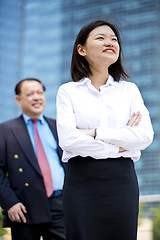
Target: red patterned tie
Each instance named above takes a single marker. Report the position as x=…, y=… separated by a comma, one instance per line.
x=42, y=160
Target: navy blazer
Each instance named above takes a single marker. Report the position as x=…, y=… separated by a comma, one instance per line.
x=20, y=176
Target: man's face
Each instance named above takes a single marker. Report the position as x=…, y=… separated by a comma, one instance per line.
x=31, y=99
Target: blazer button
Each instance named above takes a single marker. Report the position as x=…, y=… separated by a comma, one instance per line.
x=26, y=184
x=16, y=156
x=20, y=170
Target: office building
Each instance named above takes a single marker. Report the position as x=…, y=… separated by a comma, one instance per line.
x=36, y=40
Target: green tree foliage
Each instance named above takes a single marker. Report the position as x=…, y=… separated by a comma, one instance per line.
x=2, y=230
x=141, y=213
x=156, y=223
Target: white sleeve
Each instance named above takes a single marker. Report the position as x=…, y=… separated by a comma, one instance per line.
x=130, y=138
x=71, y=139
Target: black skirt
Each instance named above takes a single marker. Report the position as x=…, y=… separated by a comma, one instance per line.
x=101, y=199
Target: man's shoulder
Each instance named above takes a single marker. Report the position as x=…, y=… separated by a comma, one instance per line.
x=11, y=122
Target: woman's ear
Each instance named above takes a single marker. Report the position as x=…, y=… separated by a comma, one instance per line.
x=81, y=50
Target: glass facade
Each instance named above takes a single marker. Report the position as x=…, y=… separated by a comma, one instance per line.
x=36, y=40
x=10, y=55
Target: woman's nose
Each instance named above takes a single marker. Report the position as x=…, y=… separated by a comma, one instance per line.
x=108, y=43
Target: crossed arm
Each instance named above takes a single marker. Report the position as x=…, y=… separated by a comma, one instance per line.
x=133, y=121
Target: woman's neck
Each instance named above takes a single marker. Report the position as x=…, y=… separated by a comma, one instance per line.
x=99, y=78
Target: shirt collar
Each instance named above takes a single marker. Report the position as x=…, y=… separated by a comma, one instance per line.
x=110, y=81
x=27, y=118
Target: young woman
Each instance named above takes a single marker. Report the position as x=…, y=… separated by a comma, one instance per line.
x=102, y=126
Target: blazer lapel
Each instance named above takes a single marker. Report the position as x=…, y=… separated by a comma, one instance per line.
x=52, y=125
x=21, y=134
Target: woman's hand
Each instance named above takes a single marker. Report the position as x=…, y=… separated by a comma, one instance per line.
x=88, y=132
x=133, y=121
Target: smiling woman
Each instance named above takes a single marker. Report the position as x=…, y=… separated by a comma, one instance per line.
x=101, y=49
x=103, y=125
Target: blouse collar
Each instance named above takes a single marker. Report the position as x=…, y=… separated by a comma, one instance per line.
x=110, y=81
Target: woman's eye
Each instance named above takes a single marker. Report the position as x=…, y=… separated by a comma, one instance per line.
x=100, y=38
x=114, y=39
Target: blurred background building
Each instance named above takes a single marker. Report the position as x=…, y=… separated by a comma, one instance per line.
x=36, y=40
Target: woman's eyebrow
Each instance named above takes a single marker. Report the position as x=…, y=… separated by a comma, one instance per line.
x=99, y=34
x=103, y=34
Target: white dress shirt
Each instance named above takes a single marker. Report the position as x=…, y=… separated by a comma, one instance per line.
x=81, y=105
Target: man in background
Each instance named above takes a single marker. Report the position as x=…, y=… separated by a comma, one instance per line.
x=31, y=173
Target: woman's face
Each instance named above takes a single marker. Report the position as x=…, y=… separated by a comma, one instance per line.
x=101, y=48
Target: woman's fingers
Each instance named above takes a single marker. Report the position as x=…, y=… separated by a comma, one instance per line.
x=135, y=119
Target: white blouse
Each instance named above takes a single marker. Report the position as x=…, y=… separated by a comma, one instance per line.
x=81, y=105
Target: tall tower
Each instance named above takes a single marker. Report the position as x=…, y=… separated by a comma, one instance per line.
x=36, y=40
